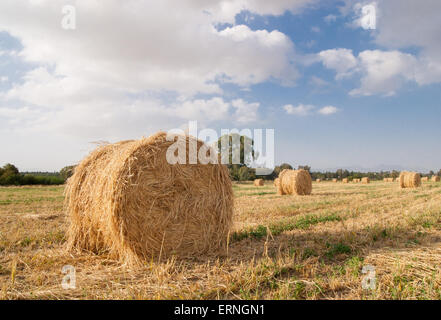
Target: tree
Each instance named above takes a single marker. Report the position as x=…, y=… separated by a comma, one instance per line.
x=9, y=175
x=230, y=144
x=307, y=168
x=67, y=172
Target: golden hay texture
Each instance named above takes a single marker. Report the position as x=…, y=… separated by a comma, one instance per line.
x=259, y=182
x=345, y=180
x=334, y=180
x=425, y=179
x=435, y=178
x=365, y=180
x=410, y=179
x=355, y=180
x=318, y=180
x=294, y=182
x=276, y=182
x=127, y=200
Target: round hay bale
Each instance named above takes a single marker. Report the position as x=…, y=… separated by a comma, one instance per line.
x=318, y=180
x=365, y=180
x=435, y=178
x=425, y=179
x=294, y=182
x=410, y=179
x=125, y=199
x=259, y=182
x=356, y=180
x=334, y=180
x=345, y=180
x=276, y=182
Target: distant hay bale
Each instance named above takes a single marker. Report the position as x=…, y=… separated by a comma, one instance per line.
x=425, y=179
x=355, y=180
x=365, y=180
x=318, y=180
x=410, y=179
x=334, y=180
x=259, y=182
x=435, y=178
x=276, y=182
x=345, y=180
x=294, y=182
x=125, y=199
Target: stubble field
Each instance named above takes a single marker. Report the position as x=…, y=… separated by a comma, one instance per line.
x=282, y=247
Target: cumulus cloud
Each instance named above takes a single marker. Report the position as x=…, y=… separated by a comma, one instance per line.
x=381, y=72
x=400, y=25
x=300, y=110
x=328, y=110
x=341, y=60
x=139, y=66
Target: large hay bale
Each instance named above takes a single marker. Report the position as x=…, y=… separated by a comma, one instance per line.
x=294, y=182
x=425, y=179
x=435, y=178
x=127, y=200
x=345, y=180
x=410, y=179
x=276, y=182
x=259, y=182
x=365, y=180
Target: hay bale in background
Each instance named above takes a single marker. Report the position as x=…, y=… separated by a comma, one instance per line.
x=276, y=182
x=365, y=180
x=334, y=180
x=345, y=180
x=127, y=200
x=294, y=182
x=356, y=180
x=425, y=179
x=410, y=179
x=435, y=178
x=318, y=180
x=259, y=182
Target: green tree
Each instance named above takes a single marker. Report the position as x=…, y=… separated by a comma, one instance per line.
x=67, y=172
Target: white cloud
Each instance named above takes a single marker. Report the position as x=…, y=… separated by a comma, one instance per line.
x=328, y=110
x=315, y=29
x=4, y=79
x=381, y=72
x=245, y=112
x=340, y=60
x=403, y=25
x=300, y=110
x=119, y=72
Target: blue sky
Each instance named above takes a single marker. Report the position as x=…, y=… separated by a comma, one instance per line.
x=126, y=71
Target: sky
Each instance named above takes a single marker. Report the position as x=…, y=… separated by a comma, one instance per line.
x=339, y=90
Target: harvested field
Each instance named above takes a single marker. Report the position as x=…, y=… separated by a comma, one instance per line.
x=281, y=247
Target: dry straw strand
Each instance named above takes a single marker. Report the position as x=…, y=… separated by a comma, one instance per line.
x=294, y=182
x=127, y=200
x=410, y=179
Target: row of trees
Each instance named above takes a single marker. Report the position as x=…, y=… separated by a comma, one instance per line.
x=9, y=175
